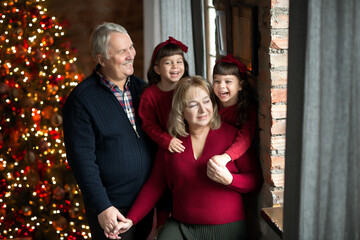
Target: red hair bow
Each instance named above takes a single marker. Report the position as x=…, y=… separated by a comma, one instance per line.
x=171, y=40
x=230, y=59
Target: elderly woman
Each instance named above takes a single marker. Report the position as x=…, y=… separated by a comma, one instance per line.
x=207, y=198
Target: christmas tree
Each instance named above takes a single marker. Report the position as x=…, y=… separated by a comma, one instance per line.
x=39, y=198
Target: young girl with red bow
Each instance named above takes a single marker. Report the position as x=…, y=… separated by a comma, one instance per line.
x=236, y=106
x=167, y=67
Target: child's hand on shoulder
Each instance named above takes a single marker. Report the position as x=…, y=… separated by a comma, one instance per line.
x=176, y=146
x=222, y=159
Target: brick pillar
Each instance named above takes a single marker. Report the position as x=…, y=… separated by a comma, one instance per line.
x=272, y=92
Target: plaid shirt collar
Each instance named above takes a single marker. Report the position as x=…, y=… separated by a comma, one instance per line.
x=110, y=84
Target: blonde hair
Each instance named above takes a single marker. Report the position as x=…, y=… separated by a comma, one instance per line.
x=177, y=125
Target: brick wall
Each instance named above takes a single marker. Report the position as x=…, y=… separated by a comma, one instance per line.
x=272, y=90
x=83, y=15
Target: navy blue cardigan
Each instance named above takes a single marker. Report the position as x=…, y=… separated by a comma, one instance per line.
x=109, y=161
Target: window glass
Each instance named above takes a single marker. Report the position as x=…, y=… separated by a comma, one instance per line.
x=210, y=34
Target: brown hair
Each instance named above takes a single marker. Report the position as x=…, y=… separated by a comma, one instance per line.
x=245, y=96
x=165, y=51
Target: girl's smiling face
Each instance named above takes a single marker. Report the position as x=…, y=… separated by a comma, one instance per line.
x=226, y=88
x=171, y=68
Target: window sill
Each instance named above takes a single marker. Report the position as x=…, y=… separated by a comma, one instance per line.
x=273, y=216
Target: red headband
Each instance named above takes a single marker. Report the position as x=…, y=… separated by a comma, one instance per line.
x=171, y=40
x=230, y=59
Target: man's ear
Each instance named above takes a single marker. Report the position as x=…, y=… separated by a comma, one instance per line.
x=100, y=60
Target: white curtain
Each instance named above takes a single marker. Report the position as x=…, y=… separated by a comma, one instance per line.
x=329, y=162
x=164, y=18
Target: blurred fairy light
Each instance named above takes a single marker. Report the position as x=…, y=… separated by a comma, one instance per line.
x=36, y=47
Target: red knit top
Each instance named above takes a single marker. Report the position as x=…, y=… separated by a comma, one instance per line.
x=245, y=135
x=196, y=198
x=154, y=109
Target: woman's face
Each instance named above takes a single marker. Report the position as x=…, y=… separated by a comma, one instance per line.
x=198, y=111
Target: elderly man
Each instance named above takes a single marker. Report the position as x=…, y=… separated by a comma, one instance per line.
x=106, y=149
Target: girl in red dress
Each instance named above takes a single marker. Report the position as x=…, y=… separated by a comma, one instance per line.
x=167, y=67
x=236, y=105
x=238, y=108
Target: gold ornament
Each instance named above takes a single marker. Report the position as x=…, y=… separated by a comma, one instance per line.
x=56, y=119
x=60, y=223
x=47, y=40
x=14, y=92
x=30, y=156
x=47, y=112
x=28, y=102
x=26, y=210
x=4, y=88
x=74, y=212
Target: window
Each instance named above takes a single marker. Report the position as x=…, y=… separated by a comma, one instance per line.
x=210, y=37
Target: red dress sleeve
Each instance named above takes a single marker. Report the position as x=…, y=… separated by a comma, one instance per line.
x=244, y=137
x=150, y=115
x=249, y=176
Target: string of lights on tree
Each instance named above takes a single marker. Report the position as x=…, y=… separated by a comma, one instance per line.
x=39, y=198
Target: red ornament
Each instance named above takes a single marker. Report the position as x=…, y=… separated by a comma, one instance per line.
x=54, y=134
x=34, y=12
x=46, y=22
x=54, y=80
x=75, y=236
x=3, y=187
x=59, y=193
x=36, y=117
x=43, y=191
x=24, y=231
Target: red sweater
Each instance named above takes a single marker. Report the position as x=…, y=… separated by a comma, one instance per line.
x=154, y=109
x=245, y=135
x=196, y=198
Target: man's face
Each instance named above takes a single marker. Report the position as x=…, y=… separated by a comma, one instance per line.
x=121, y=54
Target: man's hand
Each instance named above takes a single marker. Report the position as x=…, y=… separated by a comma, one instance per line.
x=108, y=220
x=176, y=145
x=222, y=159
